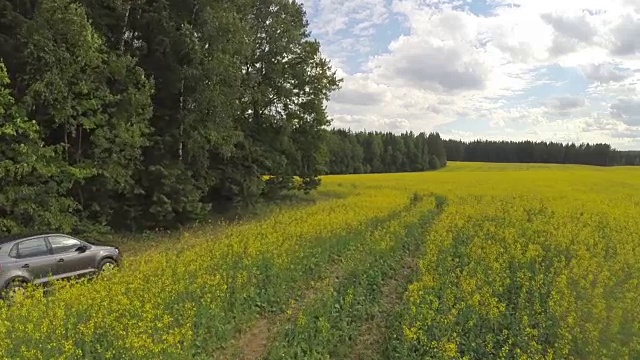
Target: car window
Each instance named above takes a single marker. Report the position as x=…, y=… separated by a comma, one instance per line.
x=32, y=248
x=62, y=244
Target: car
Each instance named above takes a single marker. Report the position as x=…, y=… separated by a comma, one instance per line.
x=43, y=257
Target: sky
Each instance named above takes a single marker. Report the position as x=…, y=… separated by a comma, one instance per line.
x=552, y=70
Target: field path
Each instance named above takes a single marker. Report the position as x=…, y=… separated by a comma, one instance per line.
x=374, y=339
x=374, y=334
x=252, y=344
x=349, y=316
x=253, y=341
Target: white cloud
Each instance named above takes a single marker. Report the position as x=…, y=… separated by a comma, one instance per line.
x=573, y=27
x=563, y=103
x=571, y=32
x=605, y=73
x=360, y=90
x=346, y=27
x=438, y=67
x=452, y=64
x=625, y=34
x=627, y=110
x=332, y=16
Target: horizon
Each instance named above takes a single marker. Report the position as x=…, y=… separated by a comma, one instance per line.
x=613, y=148
x=493, y=69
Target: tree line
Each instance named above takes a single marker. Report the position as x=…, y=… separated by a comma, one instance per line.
x=627, y=158
x=131, y=115
x=599, y=154
x=384, y=152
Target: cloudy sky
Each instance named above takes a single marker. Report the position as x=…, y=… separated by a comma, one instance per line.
x=561, y=70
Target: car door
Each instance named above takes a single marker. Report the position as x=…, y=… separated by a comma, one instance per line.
x=34, y=257
x=69, y=261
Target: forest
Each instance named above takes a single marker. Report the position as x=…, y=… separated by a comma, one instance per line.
x=133, y=115
x=384, y=152
x=364, y=152
x=539, y=152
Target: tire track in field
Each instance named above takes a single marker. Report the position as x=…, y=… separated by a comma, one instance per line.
x=338, y=345
x=376, y=334
x=253, y=342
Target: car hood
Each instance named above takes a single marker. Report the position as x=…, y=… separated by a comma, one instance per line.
x=102, y=248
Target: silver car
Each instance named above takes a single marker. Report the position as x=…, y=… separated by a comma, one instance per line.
x=40, y=258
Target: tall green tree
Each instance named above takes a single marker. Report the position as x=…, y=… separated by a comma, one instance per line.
x=373, y=152
x=161, y=110
x=289, y=82
x=384, y=152
x=33, y=178
x=412, y=162
x=14, y=17
x=240, y=92
x=195, y=51
x=423, y=150
x=437, y=152
x=93, y=101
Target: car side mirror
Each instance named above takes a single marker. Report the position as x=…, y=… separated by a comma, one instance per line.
x=81, y=248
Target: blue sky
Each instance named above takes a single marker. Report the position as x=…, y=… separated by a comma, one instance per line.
x=494, y=69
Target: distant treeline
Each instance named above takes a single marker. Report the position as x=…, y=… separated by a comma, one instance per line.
x=538, y=152
x=378, y=152
x=627, y=158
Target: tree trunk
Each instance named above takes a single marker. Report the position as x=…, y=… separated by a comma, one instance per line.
x=124, y=28
x=181, y=132
x=79, y=149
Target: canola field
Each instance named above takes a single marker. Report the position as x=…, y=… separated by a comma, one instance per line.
x=476, y=261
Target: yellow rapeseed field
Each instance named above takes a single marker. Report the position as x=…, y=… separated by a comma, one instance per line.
x=474, y=261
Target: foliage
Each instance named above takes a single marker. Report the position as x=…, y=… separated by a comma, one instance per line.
x=33, y=179
x=339, y=308
x=377, y=152
x=93, y=102
x=627, y=158
x=167, y=110
x=529, y=262
x=532, y=152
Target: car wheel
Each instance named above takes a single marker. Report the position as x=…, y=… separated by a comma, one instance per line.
x=107, y=265
x=14, y=288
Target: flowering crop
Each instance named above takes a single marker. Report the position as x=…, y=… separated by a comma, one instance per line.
x=523, y=261
x=529, y=264
x=338, y=310
x=179, y=304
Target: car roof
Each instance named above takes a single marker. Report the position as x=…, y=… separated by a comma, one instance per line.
x=20, y=236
